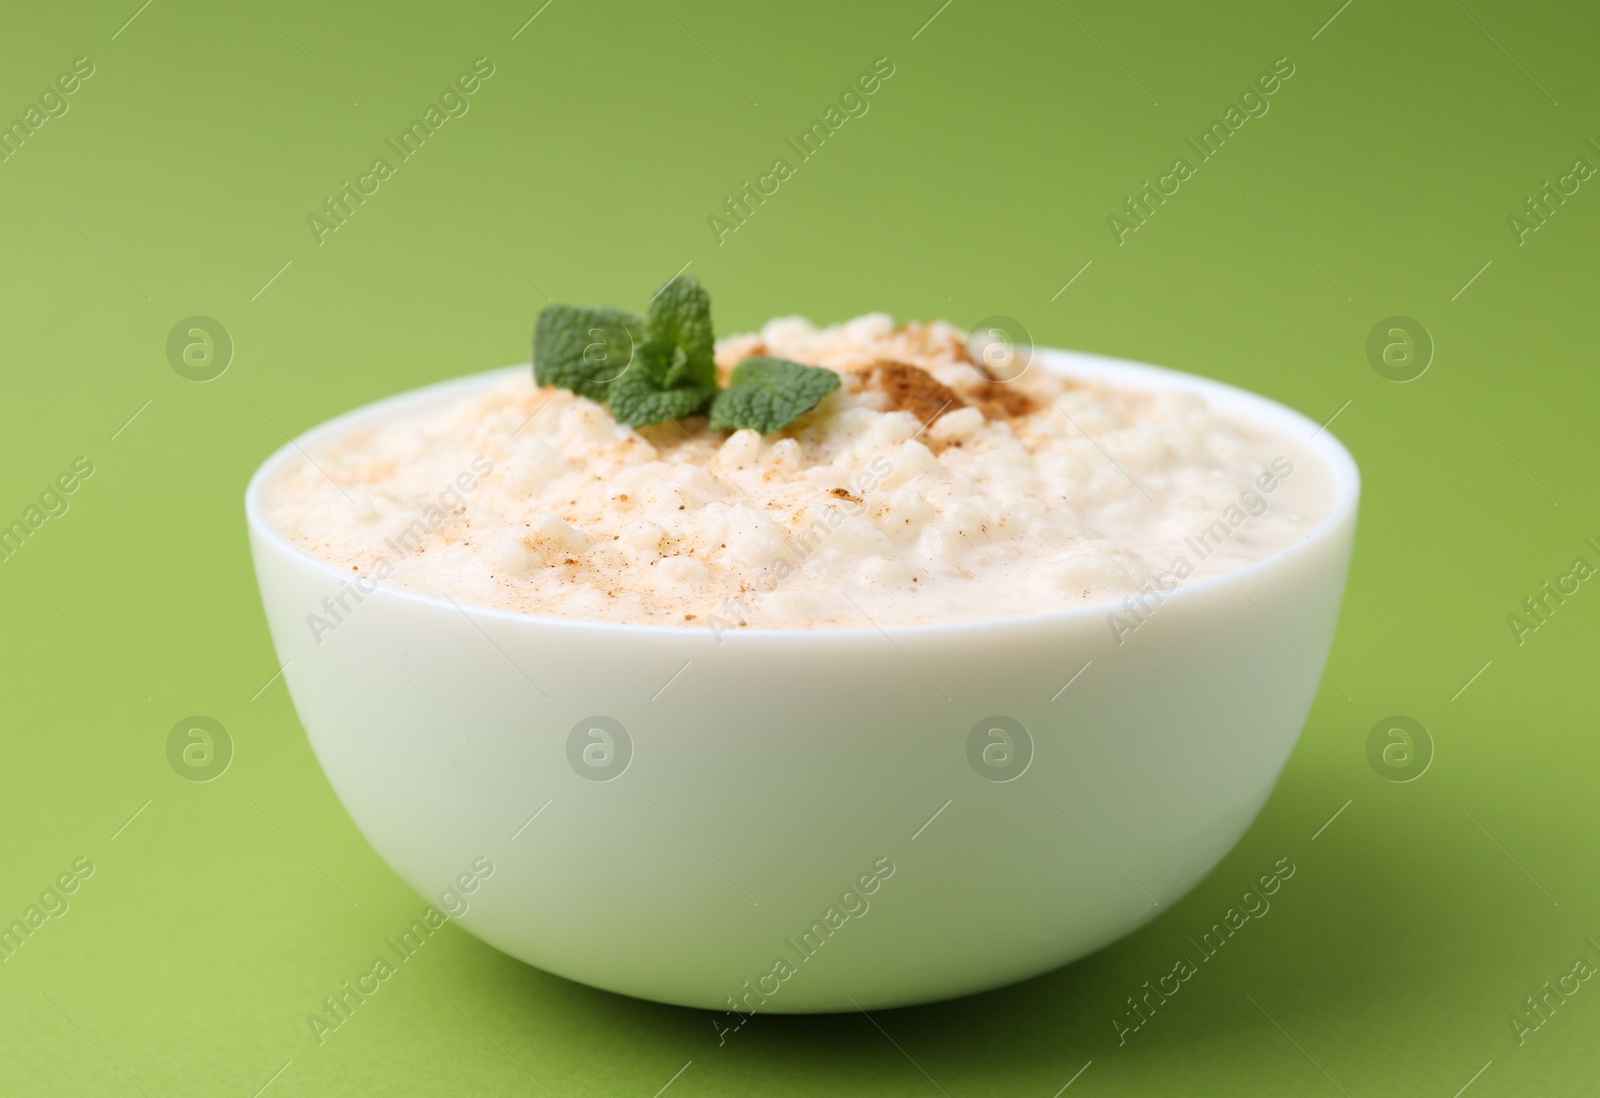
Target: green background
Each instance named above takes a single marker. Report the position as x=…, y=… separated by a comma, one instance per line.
x=979, y=182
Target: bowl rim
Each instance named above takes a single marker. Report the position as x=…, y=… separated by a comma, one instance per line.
x=1253, y=408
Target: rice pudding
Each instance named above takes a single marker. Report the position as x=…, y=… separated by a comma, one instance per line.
x=924, y=489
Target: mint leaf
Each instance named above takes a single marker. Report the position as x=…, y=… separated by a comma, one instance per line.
x=769, y=394
x=644, y=395
x=584, y=350
x=680, y=318
x=636, y=402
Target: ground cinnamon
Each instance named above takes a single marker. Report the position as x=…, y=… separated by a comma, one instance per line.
x=1002, y=401
x=914, y=390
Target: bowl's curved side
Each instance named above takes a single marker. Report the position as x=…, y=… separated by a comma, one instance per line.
x=800, y=827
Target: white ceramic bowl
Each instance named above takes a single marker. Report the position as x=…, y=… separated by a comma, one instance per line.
x=807, y=820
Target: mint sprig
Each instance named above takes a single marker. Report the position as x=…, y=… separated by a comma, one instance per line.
x=663, y=367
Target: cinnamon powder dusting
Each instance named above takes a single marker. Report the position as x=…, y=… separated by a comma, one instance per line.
x=914, y=390
x=1001, y=401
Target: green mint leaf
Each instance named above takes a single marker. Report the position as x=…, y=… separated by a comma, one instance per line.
x=643, y=395
x=584, y=350
x=680, y=317
x=769, y=394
